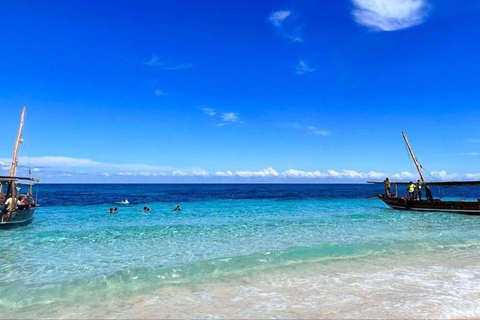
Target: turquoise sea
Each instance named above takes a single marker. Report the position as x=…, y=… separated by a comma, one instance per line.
x=237, y=251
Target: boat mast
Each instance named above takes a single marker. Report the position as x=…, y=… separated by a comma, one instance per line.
x=418, y=165
x=14, y=165
x=13, y=168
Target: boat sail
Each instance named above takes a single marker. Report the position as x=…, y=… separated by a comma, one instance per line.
x=414, y=202
x=17, y=202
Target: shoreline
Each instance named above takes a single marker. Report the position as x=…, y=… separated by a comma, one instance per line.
x=438, y=286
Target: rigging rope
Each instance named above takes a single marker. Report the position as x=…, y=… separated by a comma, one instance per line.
x=409, y=156
x=435, y=180
x=423, y=169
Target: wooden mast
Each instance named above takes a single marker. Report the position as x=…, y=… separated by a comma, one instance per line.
x=418, y=165
x=13, y=168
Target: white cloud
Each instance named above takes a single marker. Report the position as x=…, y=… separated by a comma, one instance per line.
x=436, y=175
x=292, y=32
x=167, y=64
x=390, y=15
x=208, y=111
x=224, y=174
x=125, y=173
x=352, y=174
x=472, y=176
x=4, y=165
x=159, y=92
x=230, y=117
x=193, y=173
x=278, y=17
x=312, y=129
x=270, y=172
x=404, y=175
x=155, y=62
x=82, y=169
x=70, y=162
x=317, y=132
x=303, y=68
x=226, y=117
x=292, y=173
x=443, y=175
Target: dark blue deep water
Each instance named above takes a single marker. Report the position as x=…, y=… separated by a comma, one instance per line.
x=90, y=194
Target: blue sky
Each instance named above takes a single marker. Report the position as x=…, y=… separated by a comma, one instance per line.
x=221, y=91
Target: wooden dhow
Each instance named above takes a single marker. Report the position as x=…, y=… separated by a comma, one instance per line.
x=17, y=197
x=413, y=201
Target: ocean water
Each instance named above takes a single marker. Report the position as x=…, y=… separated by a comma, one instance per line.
x=238, y=251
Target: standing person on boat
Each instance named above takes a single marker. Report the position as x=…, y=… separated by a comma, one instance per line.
x=419, y=190
x=2, y=202
x=411, y=190
x=428, y=193
x=387, y=187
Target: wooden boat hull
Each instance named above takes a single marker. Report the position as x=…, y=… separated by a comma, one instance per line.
x=402, y=203
x=21, y=216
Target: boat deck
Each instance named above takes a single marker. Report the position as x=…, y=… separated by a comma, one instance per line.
x=402, y=203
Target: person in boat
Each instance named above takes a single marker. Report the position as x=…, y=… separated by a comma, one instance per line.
x=9, y=208
x=2, y=202
x=387, y=187
x=419, y=190
x=29, y=199
x=411, y=190
x=428, y=193
x=23, y=203
x=9, y=204
x=177, y=208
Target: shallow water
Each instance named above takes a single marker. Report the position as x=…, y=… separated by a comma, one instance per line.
x=237, y=251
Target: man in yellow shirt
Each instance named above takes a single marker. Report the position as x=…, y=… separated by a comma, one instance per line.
x=411, y=190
